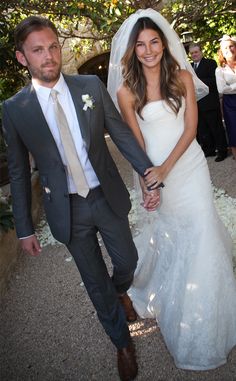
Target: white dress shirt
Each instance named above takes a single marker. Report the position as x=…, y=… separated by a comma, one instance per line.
x=65, y=99
x=225, y=80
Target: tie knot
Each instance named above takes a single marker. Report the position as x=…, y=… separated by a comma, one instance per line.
x=54, y=94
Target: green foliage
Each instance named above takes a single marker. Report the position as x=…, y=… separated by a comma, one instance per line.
x=207, y=20
x=6, y=215
x=11, y=74
x=3, y=147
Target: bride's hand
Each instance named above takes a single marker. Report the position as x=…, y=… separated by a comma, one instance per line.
x=154, y=177
x=151, y=199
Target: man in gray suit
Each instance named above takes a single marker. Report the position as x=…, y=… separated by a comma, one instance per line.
x=30, y=125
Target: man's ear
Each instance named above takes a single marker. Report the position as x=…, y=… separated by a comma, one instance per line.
x=21, y=58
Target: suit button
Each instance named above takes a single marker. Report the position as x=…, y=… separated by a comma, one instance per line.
x=66, y=195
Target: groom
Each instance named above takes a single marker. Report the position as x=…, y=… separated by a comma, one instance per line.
x=83, y=192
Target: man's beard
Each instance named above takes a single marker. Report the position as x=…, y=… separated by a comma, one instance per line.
x=47, y=76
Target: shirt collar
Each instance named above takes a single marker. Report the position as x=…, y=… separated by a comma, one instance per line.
x=44, y=92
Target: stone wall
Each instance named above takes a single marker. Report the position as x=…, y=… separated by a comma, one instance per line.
x=72, y=61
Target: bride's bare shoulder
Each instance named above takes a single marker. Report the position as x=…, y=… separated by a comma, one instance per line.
x=124, y=94
x=185, y=75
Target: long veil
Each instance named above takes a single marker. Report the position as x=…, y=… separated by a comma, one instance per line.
x=119, y=44
x=144, y=219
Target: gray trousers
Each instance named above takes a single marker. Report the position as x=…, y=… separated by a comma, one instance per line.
x=89, y=216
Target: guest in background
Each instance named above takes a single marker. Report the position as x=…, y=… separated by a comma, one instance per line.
x=226, y=84
x=210, y=132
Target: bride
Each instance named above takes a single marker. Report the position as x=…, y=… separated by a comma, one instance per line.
x=184, y=276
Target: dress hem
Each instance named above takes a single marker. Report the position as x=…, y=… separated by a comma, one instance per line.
x=200, y=368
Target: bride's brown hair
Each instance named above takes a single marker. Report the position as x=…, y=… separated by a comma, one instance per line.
x=171, y=87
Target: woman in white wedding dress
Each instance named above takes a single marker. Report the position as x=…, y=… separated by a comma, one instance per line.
x=184, y=277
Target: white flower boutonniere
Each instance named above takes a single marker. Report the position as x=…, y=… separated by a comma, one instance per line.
x=88, y=102
x=47, y=190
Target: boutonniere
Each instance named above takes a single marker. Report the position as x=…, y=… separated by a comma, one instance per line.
x=47, y=193
x=47, y=190
x=88, y=102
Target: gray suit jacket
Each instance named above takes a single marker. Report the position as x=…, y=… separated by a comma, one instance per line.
x=26, y=129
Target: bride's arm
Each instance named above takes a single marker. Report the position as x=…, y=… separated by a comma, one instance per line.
x=190, y=129
x=126, y=104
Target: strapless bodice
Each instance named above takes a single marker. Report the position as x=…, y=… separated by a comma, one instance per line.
x=161, y=129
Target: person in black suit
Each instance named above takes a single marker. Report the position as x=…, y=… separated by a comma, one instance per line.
x=30, y=124
x=210, y=133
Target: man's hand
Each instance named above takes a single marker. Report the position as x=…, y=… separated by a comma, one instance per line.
x=151, y=199
x=31, y=245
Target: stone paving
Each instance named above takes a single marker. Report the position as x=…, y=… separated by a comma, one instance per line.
x=49, y=330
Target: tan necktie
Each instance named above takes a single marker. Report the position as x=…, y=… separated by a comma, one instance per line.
x=72, y=158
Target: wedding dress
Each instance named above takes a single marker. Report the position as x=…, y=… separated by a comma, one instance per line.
x=184, y=277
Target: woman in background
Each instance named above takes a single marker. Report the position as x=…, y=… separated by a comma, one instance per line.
x=226, y=84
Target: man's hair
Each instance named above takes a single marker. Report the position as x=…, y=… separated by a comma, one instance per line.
x=29, y=25
x=195, y=45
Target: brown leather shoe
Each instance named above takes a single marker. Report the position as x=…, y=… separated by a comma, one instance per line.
x=130, y=313
x=127, y=365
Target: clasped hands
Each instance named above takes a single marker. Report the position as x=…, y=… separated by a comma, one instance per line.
x=151, y=188
x=150, y=183
x=153, y=177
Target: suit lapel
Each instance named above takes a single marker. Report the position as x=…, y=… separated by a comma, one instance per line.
x=83, y=116
x=35, y=113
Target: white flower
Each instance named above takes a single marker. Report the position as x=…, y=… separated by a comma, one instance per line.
x=44, y=234
x=88, y=102
x=47, y=190
x=226, y=208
